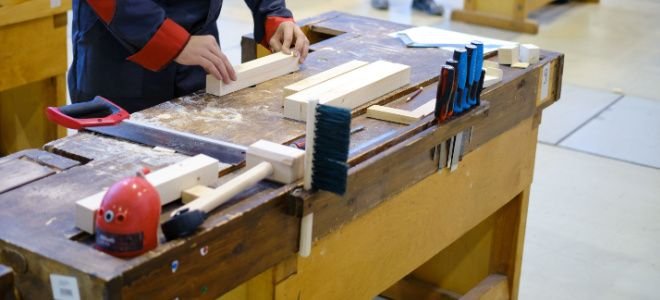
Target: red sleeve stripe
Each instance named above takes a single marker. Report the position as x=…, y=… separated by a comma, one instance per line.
x=272, y=22
x=163, y=47
x=105, y=9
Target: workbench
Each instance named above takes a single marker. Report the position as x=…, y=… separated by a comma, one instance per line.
x=403, y=229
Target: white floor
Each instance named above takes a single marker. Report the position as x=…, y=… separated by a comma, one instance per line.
x=594, y=216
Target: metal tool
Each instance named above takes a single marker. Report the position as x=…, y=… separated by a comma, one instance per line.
x=104, y=117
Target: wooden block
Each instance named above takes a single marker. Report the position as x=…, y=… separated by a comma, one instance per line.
x=287, y=161
x=351, y=89
x=426, y=108
x=530, y=53
x=520, y=65
x=393, y=115
x=507, y=55
x=169, y=182
x=194, y=192
x=254, y=72
x=493, y=76
x=322, y=77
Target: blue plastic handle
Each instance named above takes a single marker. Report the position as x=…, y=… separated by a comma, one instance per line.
x=479, y=57
x=460, y=55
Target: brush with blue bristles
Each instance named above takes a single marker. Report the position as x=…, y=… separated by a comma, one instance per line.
x=326, y=158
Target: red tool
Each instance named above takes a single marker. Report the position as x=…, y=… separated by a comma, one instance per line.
x=444, y=105
x=97, y=112
x=127, y=221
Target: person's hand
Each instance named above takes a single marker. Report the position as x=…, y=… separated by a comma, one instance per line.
x=204, y=51
x=289, y=33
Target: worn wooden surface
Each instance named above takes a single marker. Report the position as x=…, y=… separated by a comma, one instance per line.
x=254, y=231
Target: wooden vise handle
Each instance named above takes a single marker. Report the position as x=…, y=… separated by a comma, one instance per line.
x=221, y=194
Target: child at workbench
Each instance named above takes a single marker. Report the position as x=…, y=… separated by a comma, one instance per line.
x=139, y=53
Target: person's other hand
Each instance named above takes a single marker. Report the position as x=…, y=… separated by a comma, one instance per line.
x=287, y=34
x=204, y=51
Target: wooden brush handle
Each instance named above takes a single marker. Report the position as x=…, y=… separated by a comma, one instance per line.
x=221, y=194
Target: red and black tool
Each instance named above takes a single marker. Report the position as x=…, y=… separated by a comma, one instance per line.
x=444, y=104
x=127, y=221
x=101, y=116
x=96, y=112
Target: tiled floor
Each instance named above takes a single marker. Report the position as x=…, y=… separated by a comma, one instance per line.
x=593, y=228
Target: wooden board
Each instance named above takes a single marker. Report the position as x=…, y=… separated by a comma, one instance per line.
x=322, y=77
x=351, y=89
x=395, y=115
x=254, y=72
x=19, y=172
x=493, y=287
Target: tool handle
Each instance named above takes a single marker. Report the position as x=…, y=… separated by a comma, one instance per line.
x=96, y=112
x=221, y=194
x=444, y=95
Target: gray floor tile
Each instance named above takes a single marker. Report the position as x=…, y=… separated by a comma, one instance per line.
x=577, y=106
x=592, y=230
x=629, y=130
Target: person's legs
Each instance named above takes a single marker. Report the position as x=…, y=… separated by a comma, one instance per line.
x=428, y=6
x=380, y=4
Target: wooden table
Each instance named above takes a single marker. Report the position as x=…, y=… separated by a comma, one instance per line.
x=400, y=217
x=504, y=14
x=32, y=71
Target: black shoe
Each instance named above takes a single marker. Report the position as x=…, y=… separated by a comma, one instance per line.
x=428, y=6
x=380, y=4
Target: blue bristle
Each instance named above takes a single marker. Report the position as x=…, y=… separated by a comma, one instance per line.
x=332, y=137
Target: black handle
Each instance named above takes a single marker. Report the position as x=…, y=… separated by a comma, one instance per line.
x=96, y=108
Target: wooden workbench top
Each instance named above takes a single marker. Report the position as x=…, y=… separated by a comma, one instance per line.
x=259, y=228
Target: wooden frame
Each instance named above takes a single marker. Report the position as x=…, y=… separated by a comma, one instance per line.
x=504, y=14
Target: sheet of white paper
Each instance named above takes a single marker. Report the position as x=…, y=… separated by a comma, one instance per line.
x=425, y=35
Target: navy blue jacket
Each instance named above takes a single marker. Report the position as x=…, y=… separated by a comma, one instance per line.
x=123, y=49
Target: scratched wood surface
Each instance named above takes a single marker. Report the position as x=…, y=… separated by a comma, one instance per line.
x=255, y=113
x=254, y=231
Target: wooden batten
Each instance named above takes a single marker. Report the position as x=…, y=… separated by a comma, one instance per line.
x=254, y=72
x=351, y=89
x=322, y=77
x=400, y=116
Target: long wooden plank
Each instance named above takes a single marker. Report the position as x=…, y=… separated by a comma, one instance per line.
x=254, y=72
x=322, y=77
x=350, y=90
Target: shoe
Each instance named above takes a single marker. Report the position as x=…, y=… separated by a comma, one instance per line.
x=380, y=4
x=428, y=6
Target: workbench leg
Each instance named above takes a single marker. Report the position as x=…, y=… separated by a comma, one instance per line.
x=7, y=290
x=509, y=238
